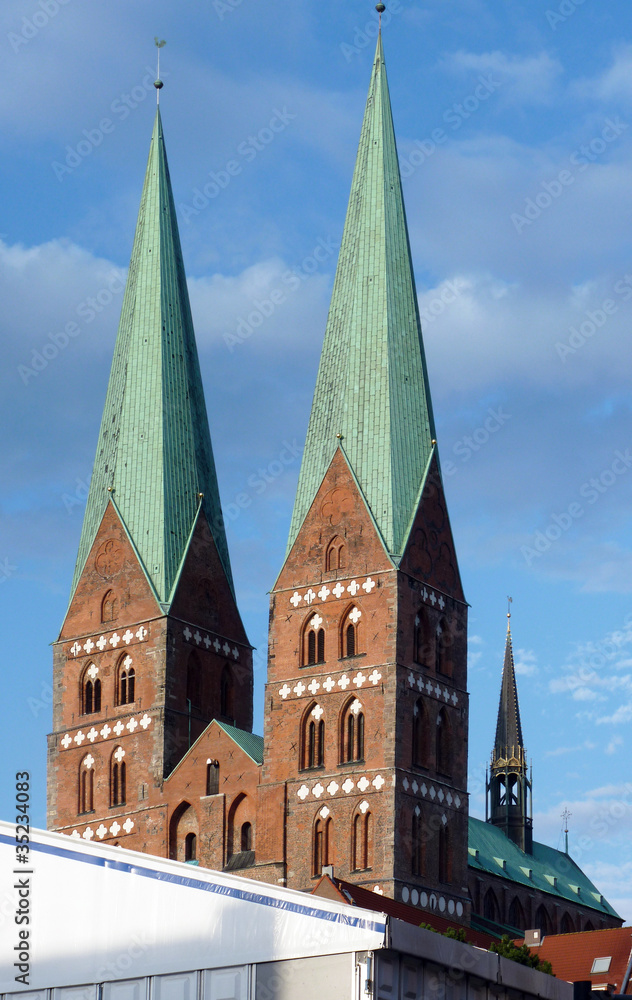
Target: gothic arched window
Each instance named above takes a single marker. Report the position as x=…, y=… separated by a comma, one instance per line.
x=227, y=693
x=109, y=607
x=118, y=778
x=194, y=682
x=491, y=909
x=542, y=921
x=313, y=738
x=335, y=556
x=90, y=690
x=323, y=845
x=126, y=681
x=443, y=744
x=417, y=853
x=424, y=644
x=445, y=856
x=190, y=847
x=516, y=915
x=212, y=777
x=313, y=641
x=361, y=841
x=86, y=784
x=420, y=734
x=352, y=732
x=350, y=632
x=246, y=836
x=443, y=648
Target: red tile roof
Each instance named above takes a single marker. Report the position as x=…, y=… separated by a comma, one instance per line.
x=357, y=895
x=572, y=955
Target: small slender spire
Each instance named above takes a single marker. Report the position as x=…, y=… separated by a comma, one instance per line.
x=508, y=727
x=508, y=786
x=158, y=84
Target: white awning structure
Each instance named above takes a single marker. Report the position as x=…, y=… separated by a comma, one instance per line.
x=101, y=914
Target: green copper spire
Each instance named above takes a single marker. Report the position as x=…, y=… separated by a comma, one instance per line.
x=154, y=450
x=372, y=386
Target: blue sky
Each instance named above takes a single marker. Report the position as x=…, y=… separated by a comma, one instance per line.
x=513, y=124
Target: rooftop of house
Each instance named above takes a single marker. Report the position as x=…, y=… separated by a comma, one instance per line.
x=599, y=957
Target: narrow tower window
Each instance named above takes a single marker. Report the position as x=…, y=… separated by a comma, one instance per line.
x=313, y=738
x=190, y=847
x=86, y=785
x=445, y=857
x=313, y=641
x=246, y=836
x=118, y=778
x=109, y=607
x=126, y=682
x=425, y=636
x=420, y=733
x=350, y=632
x=352, y=732
x=227, y=707
x=417, y=845
x=443, y=744
x=335, y=557
x=90, y=691
x=443, y=648
x=212, y=777
x=194, y=682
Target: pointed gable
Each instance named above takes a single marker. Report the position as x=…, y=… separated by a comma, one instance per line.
x=154, y=450
x=372, y=386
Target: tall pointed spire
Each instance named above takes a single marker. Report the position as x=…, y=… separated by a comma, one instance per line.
x=509, y=786
x=154, y=455
x=372, y=396
x=508, y=728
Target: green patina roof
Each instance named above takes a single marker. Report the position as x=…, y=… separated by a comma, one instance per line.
x=154, y=446
x=372, y=384
x=552, y=871
x=250, y=743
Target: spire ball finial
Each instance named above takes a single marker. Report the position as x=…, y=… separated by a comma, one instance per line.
x=158, y=84
x=380, y=8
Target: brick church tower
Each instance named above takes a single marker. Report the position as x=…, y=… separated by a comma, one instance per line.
x=152, y=647
x=366, y=703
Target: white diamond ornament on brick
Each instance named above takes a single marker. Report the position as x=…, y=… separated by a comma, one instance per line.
x=355, y=615
x=92, y=672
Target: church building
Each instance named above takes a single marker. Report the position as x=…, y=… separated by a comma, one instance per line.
x=363, y=762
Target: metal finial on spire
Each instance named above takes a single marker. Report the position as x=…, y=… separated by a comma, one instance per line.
x=566, y=816
x=509, y=603
x=158, y=84
x=380, y=8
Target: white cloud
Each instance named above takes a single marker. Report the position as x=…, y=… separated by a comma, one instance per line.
x=525, y=662
x=614, y=82
x=614, y=744
x=531, y=79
